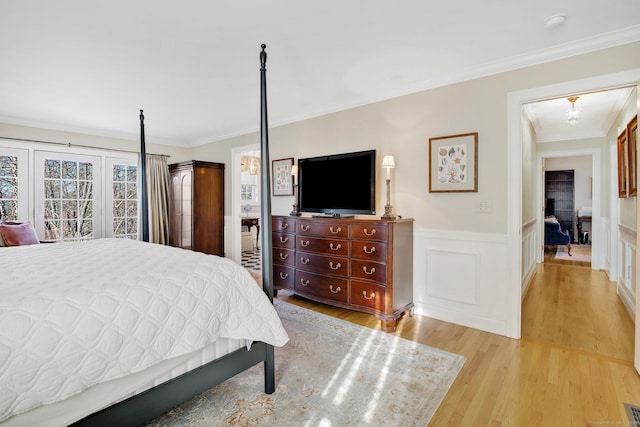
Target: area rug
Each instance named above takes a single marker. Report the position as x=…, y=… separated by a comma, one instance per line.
x=331, y=373
x=578, y=253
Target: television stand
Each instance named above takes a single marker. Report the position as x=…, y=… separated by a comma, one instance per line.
x=360, y=264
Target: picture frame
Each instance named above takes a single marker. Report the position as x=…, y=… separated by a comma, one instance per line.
x=281, y=177
x=622, y=164
x=632, y=156
x=453, y=163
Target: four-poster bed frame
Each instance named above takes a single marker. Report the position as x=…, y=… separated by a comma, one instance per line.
x=155, y=401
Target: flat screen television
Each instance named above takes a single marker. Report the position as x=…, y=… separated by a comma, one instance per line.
x=338, y=184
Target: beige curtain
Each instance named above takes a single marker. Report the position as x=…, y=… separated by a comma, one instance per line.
x=158, y=191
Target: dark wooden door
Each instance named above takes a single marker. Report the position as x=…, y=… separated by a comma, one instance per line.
x=559, y=195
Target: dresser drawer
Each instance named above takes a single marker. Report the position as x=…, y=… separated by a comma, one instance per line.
x=327, y=246
x=368, y=231
x=326, y=229
x=283, y=240
x=326, y=287
x=322, y=263
x=369, y=270
x=372, y=250
x=367, y=294
x=283, y=277
x=284, y=256
x=283, y=224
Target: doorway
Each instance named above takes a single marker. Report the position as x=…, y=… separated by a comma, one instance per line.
x=515, y=136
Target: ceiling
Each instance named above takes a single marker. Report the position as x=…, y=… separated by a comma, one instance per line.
x=597, y=112
x=193, y=65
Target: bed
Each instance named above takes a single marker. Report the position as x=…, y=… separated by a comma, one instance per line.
x=181, y=322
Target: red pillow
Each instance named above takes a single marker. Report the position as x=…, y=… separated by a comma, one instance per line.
x=19, y=234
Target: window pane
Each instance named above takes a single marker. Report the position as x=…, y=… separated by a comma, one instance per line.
x=118, y=208
x=9, y=210
x=86, y=209
x=132, y=208
x=86, y=229
x=69, y=228
x=8, y=188
x=8, y=166
x=132, y=225
x=119, y=191
x=132, y=173
x=51, y=189
x=132, y=192
x=118, y=226
x=69, y=209
x=52, y=230
x=119, y=172
x=85, y=171
x=52, y=168
x=69, y=170
x=52, y=209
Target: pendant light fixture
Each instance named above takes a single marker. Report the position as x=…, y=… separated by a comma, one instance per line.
x=572, y=115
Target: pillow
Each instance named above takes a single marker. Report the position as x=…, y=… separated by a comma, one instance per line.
x=18, y=234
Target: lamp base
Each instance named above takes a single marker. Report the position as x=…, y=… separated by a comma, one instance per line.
x=388, y=213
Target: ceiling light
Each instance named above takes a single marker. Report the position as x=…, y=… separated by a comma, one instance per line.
x=554, y=21
x=572, y=115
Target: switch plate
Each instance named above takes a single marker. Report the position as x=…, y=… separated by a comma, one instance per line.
x=484, y=206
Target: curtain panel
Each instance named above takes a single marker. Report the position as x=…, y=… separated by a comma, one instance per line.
x=158, y=191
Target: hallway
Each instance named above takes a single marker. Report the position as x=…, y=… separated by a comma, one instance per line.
x=579, y=308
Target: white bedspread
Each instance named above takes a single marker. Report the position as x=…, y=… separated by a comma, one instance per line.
x=76, y=314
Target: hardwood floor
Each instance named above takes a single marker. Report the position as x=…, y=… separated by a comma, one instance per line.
x=573, y=366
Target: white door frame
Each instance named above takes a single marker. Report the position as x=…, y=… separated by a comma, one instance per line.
x=515, y=101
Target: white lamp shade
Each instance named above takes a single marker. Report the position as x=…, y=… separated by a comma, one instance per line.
x=388, y=162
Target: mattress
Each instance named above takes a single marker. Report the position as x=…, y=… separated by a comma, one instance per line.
x=75, y=315
x=105, y=394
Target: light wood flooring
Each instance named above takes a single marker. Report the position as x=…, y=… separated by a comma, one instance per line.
x=573, y=366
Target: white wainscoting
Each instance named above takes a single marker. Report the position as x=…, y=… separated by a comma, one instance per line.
x=627, y=268
x=462, y=277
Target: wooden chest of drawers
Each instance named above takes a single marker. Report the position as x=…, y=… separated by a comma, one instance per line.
x=363, y=265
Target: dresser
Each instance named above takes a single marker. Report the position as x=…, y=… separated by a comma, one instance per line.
x=196, y=206
x=359, y=264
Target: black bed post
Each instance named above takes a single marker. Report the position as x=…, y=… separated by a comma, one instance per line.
x=267, y=267
x=144, y=202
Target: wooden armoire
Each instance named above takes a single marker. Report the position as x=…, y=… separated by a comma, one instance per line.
x=196, y=206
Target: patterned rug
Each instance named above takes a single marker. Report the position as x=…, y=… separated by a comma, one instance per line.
x=331, y=373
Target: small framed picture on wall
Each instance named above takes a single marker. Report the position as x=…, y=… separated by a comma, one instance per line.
x=453, y=163
x=281, y=177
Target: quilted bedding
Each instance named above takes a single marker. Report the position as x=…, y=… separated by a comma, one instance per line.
x=73, y=315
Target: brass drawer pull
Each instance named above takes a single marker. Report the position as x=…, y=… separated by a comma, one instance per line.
x=364, y=294
x=284, y=239
x=366, y=232
x=305, y=244
x=304, y=227
x=372, y=271
x=284, y=276
x=336, y=248
x=304, y=282
x=338, y=266
x=336, y=290
x=335, y=231
x=304, y=260
x=284, y=256
x=369, y=251
x=285, y=225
